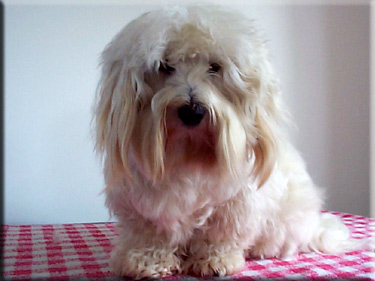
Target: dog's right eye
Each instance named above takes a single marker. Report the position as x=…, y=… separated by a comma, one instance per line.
x=214, y=68
x=166, y=68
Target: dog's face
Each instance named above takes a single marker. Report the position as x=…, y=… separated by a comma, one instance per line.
x=186, y=91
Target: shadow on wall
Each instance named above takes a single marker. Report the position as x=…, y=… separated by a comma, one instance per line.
x=347, y=36
x=331, y=99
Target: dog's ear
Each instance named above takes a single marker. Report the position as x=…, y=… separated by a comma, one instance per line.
x=115, y=114
x=268, y=117
x=265, y=149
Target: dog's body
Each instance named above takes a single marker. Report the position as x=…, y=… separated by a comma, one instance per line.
x=197, y=168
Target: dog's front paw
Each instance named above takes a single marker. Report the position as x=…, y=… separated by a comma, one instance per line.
x=216, y=262
x=269, y=249
x=145, y=263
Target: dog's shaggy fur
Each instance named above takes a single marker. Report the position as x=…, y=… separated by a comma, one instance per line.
x=197, y=168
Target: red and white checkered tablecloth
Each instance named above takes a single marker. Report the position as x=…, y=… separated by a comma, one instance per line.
x=81, y=251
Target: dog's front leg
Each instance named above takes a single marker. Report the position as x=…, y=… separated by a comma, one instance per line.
x=218, y=248
x=141, y=252
x=207, y=259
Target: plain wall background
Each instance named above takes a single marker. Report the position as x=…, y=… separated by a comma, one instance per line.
x=321, y=53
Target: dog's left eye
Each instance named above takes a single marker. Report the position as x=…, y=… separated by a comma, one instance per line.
x=214, y=67
x=166, y=68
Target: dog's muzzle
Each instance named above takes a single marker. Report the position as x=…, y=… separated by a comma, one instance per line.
x=192, y=114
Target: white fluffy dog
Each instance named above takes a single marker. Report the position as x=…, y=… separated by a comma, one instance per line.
x=197, y=168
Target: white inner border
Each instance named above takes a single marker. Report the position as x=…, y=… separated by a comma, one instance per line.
x=372, y=110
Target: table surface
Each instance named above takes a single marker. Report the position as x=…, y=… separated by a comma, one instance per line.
x=81, y=251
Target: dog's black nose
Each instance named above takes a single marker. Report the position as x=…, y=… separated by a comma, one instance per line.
x=191, y=114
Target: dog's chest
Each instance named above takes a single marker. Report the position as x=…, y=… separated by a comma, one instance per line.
x=184, y=204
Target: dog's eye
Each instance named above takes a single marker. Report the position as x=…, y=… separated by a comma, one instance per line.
x=166, y=68
x=214, y=67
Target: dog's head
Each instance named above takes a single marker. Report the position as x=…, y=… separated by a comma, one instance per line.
x=185, y=89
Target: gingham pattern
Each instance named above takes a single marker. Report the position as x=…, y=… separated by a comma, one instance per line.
x=81, y=251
